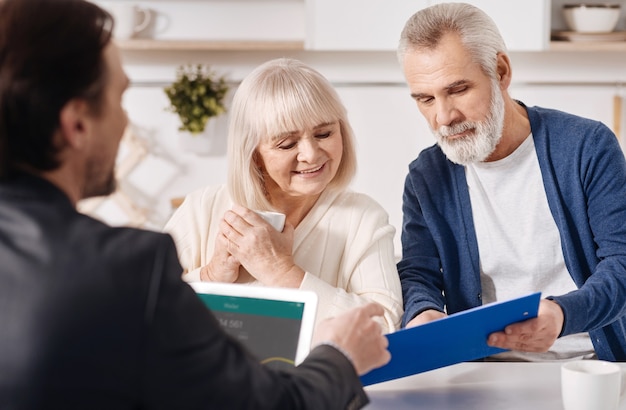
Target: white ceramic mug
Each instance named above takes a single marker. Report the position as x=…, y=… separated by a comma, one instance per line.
x=590, y=385
x=129, y=19
x=276, y=219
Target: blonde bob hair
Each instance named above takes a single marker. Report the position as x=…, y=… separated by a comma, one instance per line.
x=280, y=96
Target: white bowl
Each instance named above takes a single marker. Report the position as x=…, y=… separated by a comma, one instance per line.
x=591, y=18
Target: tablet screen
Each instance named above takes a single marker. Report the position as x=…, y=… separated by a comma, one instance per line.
x=270, y=329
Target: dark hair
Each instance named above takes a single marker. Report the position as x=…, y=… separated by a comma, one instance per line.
x=51, y=51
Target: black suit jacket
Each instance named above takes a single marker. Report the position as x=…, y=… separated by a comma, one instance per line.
x=95, y=317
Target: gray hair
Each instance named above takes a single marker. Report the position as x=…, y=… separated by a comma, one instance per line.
x=477, y=31
x=280, y=96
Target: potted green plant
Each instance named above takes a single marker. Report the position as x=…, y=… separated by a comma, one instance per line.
x=196, y=96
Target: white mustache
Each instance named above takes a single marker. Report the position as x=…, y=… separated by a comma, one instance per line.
x=447, y=130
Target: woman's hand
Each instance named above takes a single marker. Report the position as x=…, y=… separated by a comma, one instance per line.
x=223, y=267
x=263, y=251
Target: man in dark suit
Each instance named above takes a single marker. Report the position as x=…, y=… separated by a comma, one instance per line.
x=98, y=317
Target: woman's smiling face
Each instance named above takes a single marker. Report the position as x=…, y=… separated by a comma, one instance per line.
x=300, y=164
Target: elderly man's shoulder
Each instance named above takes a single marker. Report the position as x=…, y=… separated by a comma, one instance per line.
x=557, y=118
x=566, y=128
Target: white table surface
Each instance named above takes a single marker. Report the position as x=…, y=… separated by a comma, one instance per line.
x=477, y=385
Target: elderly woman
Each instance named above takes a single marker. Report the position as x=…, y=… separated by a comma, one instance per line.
x=291, y=150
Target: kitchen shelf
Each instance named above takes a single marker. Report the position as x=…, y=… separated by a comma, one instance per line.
x=587, y=46
x=254, y=45
x=207, y=45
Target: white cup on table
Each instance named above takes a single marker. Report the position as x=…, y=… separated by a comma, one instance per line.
x=130, y=19
x=591, y=385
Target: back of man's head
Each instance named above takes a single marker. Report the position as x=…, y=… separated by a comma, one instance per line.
x=51, y=51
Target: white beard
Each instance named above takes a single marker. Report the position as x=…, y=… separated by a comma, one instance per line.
x=477, y=146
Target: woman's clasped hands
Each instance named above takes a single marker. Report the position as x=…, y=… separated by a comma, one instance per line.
x=247, y=240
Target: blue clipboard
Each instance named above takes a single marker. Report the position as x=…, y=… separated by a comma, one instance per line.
x=456, y=338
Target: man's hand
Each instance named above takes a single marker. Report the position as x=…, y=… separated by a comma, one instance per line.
x=358, y=335
x=425, y=317
x=532, y=335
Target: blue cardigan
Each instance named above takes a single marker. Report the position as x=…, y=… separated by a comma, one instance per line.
x=584, y=175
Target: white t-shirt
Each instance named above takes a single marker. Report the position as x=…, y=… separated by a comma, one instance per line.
x=518, y=241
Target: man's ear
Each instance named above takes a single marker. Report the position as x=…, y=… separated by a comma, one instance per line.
x=74, y=123
x=503, y=69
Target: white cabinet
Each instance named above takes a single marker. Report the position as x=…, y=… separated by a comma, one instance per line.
x=587, y=100
x=524, y=24
x=222, y=20
x=375, y=25
x=372, y=25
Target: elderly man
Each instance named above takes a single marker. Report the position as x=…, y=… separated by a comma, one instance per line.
x=95, y=317
x=511, y=200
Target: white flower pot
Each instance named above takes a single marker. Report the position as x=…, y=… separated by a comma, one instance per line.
x=199, y=144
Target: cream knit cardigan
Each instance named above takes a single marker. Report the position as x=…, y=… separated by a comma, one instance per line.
x=344, y=244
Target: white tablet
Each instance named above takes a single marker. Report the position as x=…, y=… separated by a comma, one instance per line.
x=275, y=324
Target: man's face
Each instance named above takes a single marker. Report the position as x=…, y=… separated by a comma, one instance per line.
x=108, y=128
x=463, y=106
